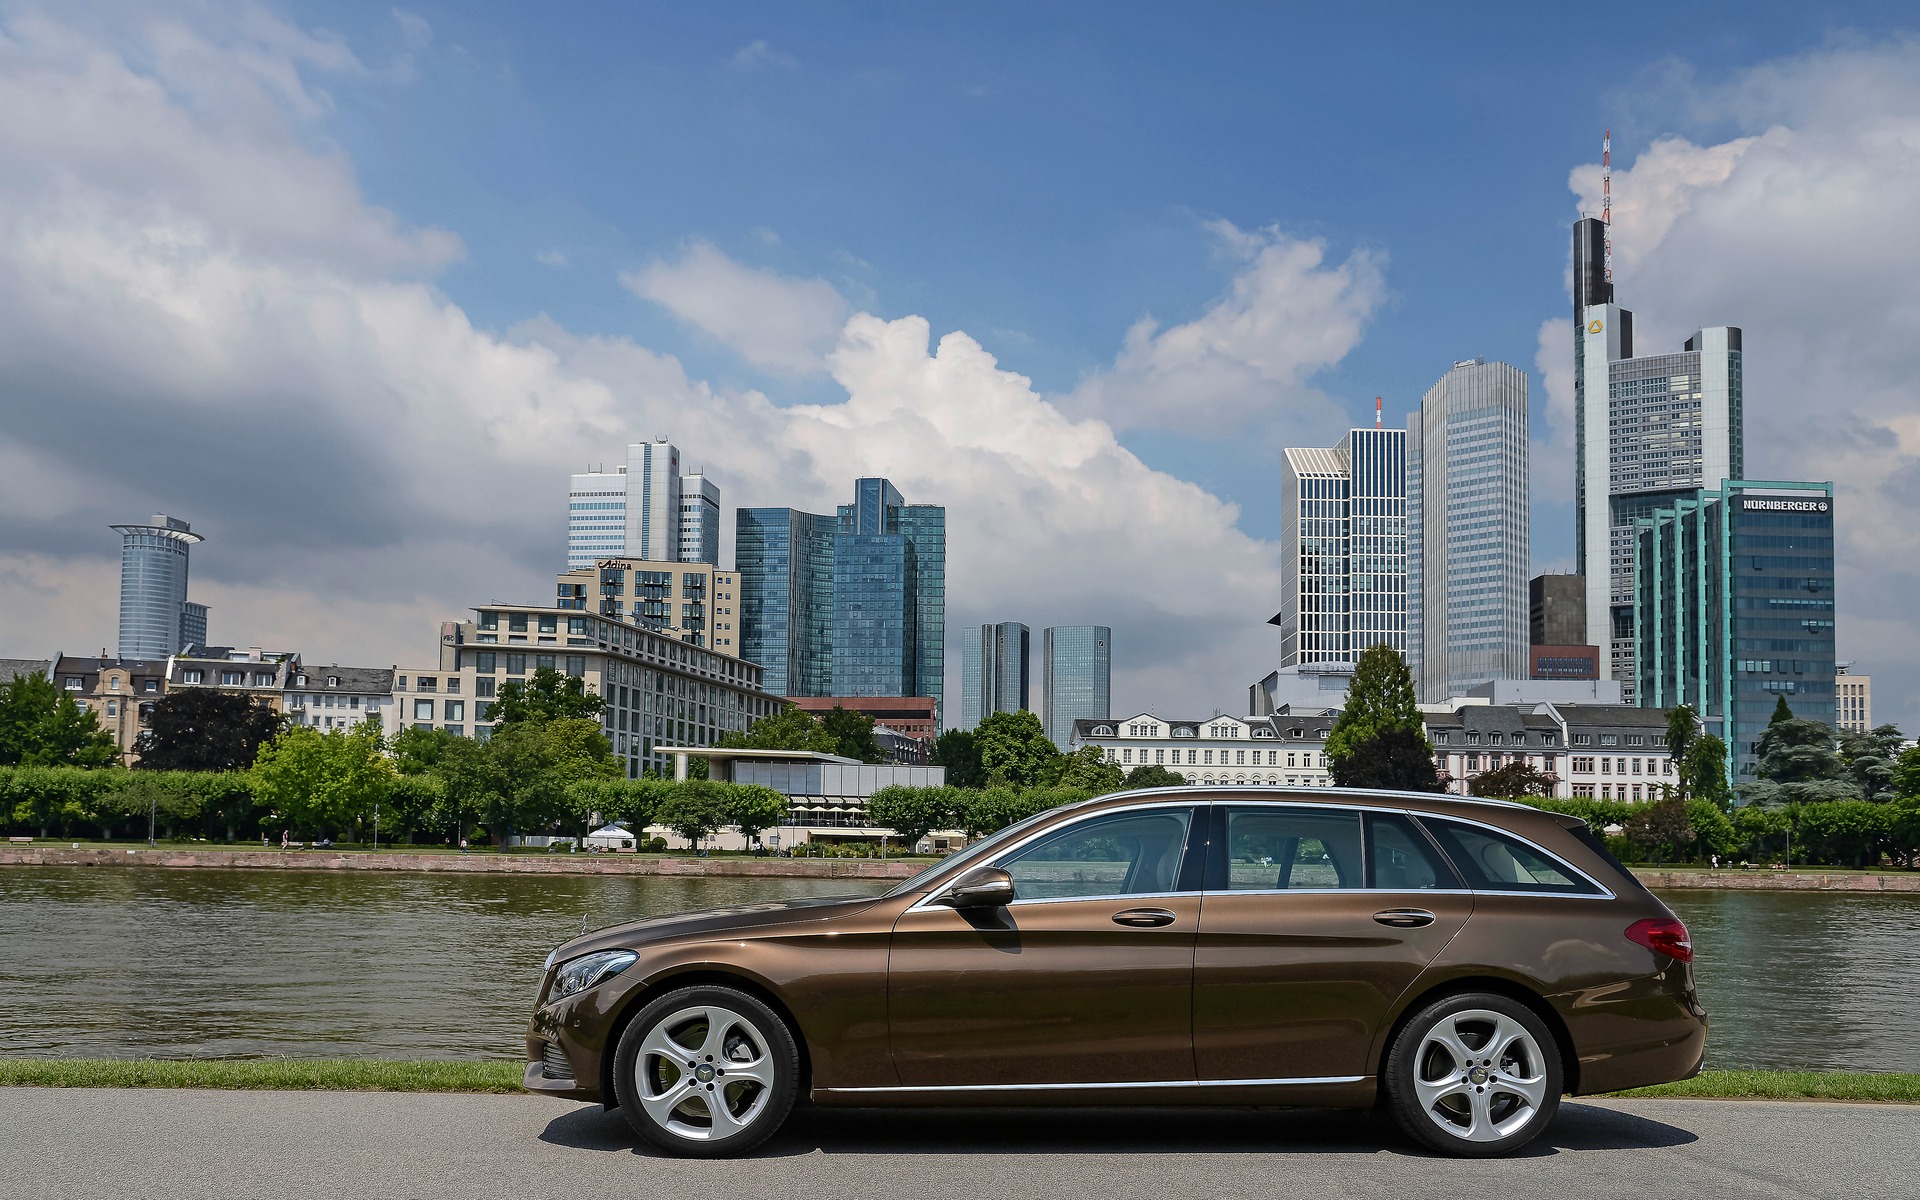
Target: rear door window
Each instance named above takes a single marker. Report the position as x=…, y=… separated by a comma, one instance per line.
x=1275, y=848
x=1401, y=859
x=1499, y=862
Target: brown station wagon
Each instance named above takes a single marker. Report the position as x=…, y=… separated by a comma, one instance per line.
x=1461, y=963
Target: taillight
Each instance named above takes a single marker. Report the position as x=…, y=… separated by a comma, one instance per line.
x=1663, y=935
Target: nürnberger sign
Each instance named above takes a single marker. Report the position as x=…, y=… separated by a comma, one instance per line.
x=1783, y=505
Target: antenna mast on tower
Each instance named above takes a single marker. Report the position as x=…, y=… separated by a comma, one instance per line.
x=1376, y=413
x=1606, y=204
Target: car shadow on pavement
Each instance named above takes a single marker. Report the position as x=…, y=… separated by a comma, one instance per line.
x=1116, y=1131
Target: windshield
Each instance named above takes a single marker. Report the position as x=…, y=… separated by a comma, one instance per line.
x=978, y=850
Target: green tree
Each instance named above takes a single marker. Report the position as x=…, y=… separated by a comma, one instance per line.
x=914, y=812
x=200, y=729
x=1780, y=711
x=534, y=763
x=1703, y=772
x=324, y=781
x=1848, y=831
x=789, y=729
x=957, y=751
x=1869, y=757
x=1153, y=776
x=694, y=809
x=1906, y=774
x=753, y=808
x=1683, y=727
x=546, y=696
x=1397, y=759
x=989, y=810
x=1379, y=700
x=417, y=751
x=1088, y=770
x=852, y=733
x=1015, y=750
x=1512, y=781
x=41, y=726
x=602, y=801
x=1800, y=764
x=1661, y=828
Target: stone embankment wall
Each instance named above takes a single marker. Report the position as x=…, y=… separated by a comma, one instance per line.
x=515, y=864
x=1778, y=881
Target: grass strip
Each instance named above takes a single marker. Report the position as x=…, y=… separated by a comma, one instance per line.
x=1789, y=1085
x=271, y=1074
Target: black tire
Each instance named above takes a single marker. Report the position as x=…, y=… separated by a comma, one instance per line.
x=673, y=1107
x=1452, y=1089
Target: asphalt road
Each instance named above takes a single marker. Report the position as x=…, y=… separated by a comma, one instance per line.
x=57, y=1143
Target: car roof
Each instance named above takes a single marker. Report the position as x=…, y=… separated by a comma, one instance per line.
x=1439, y=802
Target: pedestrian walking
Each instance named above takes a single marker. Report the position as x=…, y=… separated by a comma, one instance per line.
x=283, y=839
x=463, y=845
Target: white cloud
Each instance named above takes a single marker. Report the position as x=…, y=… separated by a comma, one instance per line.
x=551, y=258
x=366, y=462
x=414, y=29
x=759, y=54
x=1800, y=232
x=771, y=320
x=1251, y=357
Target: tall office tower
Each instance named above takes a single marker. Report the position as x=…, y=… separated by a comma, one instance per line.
x=634, y=512
x=784, y=559
x=1344, y=548
x=155, y=615
x=699, y=520
x=1076, y=677
x=1734, y=609
x=1467, y=530
x=1647, y=433
x=993, y=671
x=890, y=595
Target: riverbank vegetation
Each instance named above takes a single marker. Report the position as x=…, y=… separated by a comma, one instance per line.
x=359, y=1075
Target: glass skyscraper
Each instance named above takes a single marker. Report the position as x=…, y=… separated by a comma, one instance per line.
x=156, y=619
x=1468, y=530
x=848, y=605
x=1734, y=608
x=1648, y=432
x=784, y=558
x=1344, y=548
x=1076, y=677
x=994, y=671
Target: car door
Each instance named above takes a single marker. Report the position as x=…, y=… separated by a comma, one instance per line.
x=1085, y=977
x=1315, y=919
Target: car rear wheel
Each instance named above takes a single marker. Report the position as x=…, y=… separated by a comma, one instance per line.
x=1475, y=1076
x=706, y=1072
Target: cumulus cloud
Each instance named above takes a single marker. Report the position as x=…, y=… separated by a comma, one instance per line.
x=365, y=461
x=1800, y=231
x=771, y=320
x=759, y=53
x=1251, y=356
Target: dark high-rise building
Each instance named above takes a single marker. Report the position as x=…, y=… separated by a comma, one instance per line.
x=1734, y=608
x=1556, y=610
x=784, y=559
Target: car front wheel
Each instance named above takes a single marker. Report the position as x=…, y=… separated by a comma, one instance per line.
x=706, y=1072
x=1475, y=1076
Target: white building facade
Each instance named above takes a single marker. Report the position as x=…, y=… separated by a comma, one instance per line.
x=1282, y=750
x=1344, y=548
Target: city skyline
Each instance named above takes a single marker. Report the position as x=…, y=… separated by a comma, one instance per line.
x=1098, y=390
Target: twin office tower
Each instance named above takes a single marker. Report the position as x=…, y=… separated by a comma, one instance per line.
x=1076, y=675
x=1420, y=538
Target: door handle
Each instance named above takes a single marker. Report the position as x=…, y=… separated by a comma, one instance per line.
x=1145, y=918
x=1404, y=918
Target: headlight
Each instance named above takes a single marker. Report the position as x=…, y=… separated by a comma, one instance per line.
x=582, y=973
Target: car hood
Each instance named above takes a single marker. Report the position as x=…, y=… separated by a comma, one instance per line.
x=713, y=921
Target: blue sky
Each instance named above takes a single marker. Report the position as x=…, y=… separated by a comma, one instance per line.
x=354, y=287
x=1039, y=175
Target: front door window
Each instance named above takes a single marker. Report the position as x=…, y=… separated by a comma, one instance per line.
x=1121, y=854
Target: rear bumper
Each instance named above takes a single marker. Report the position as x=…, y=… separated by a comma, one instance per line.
x=1651, y=1031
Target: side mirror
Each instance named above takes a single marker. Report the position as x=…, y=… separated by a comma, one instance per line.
x=982, y=887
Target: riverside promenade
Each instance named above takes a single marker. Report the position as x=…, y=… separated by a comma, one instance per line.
x=56, y=855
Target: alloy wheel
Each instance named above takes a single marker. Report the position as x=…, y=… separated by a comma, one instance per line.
x=1480, y=1075
x=704, y=1073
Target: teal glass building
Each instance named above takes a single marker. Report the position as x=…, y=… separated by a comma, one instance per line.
x=848, y=605
x=1734, y=608
x=1076, y=678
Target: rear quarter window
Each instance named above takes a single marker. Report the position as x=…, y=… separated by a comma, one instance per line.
x=1498, y=862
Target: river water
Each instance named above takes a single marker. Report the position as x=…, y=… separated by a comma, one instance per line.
x=139, y=962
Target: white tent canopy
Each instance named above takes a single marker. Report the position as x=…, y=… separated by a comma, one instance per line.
x=612, y=837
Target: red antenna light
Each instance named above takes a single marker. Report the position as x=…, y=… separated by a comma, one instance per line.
x=1606, y=202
